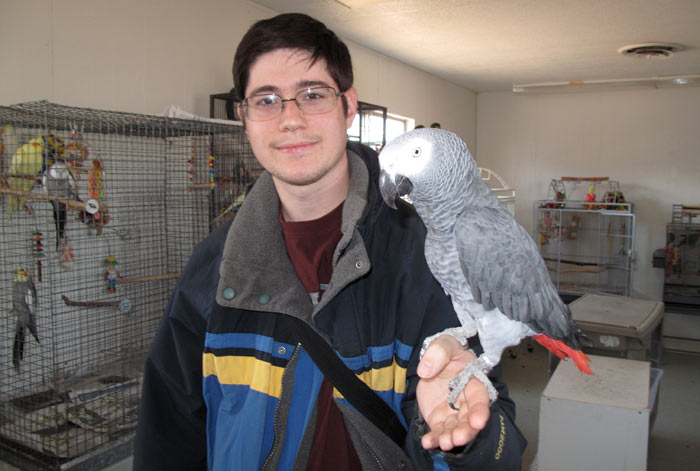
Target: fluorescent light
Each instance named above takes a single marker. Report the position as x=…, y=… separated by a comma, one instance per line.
x=607, y=84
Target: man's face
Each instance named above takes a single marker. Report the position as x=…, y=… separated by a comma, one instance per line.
x=297, y=149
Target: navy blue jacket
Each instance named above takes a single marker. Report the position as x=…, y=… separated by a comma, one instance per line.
x=228, y=387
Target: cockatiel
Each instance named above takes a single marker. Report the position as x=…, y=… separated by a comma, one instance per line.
x=23, y=305
x=59, y=181
x=485, y=261
x=25, y=166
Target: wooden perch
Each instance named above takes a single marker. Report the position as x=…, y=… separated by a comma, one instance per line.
x=687, y=209
x=575, y=270
x=585, y=179
x=146, y=279
x=72, y=205
x=570, y=262
x=89, y=303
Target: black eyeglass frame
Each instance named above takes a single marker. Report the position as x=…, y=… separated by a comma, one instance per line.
x=244, y=105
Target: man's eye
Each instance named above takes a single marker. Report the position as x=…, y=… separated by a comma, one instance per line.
x=315, y=95
x=264, y=101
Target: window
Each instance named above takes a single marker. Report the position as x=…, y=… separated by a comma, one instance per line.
x=374, y=127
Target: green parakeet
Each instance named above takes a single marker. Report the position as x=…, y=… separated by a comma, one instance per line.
x=25, y=165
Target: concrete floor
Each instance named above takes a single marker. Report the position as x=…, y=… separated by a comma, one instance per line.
x=674, y=442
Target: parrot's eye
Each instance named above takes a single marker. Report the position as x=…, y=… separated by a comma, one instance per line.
x=416, y=152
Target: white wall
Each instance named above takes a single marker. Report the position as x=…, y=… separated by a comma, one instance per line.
x=144, y=55
x=648, y=140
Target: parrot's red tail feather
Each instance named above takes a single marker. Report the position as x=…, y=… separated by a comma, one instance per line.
x=561, y=350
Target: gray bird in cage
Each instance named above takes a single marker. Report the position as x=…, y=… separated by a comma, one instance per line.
x=59, y=182
x=24, y=303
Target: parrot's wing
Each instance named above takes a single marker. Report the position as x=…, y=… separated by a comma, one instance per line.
x=31, y=305
x=30, y=298
x=505, y=270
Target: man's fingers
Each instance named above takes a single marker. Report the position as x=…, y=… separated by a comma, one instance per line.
x=438, y=355
x=477, y=398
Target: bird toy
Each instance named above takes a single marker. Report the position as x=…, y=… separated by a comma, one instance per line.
x=111, y=274
x=590, y=197
x=95, y=213
x=76, y=151
x=211, y=168
x=38, y=252
x=67, y=256
x=190, y=170
x=95, y=181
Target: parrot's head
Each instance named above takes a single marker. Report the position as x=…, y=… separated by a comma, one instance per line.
x=21, y=274
x=429, y=166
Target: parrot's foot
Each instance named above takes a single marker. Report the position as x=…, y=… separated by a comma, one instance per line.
x=476, y=369
x=460, y=333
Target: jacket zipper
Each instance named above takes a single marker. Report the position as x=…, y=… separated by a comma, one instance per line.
x=275, y=417
x=371, y=452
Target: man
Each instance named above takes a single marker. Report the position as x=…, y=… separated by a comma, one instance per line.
x=227, y=384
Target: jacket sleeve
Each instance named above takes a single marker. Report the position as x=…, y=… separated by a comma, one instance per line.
x=171, y=433
x=499, y=445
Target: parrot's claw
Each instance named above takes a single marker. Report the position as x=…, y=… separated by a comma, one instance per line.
x=476, y=369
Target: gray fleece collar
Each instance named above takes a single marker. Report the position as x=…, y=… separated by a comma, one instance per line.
x=256, y=273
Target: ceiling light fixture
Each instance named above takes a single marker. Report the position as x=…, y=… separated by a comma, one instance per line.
x=607, y=84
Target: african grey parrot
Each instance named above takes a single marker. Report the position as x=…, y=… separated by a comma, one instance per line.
x=485, y=261
x=23, y=305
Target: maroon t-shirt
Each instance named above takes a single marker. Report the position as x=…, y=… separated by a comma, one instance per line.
x=310, y=245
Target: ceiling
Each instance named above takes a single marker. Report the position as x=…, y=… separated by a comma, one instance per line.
x=490, y=45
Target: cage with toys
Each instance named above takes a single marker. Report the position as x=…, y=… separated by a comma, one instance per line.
x=682, y=258
x=100, y=212
x=585, y=233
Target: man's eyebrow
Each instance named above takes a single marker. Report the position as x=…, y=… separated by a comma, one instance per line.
x=311, y=83
x=264, y=89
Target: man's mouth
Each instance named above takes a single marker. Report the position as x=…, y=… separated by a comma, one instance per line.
x=295, y=147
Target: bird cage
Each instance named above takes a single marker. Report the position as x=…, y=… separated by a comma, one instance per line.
x=682, y=263
x=100, y=212
x=588, y=244
x=505, y=194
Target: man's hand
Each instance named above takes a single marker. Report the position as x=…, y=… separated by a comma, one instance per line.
x=442, y=361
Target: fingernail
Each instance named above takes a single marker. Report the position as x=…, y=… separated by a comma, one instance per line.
x=425, y=369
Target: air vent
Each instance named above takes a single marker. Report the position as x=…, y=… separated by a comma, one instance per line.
x=650, y=50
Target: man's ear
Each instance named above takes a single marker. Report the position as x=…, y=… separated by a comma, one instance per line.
x=351, y=98
x=241, y=116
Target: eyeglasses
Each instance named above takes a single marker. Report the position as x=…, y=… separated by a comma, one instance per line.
x=313, y=100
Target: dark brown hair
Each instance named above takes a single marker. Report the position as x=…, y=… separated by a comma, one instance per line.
x=292, y=31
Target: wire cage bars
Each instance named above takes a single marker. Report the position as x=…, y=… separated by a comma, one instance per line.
x=100, y=211
x=587, y=248
x=682, y=250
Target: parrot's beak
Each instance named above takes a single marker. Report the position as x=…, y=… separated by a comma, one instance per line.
x=392, y=188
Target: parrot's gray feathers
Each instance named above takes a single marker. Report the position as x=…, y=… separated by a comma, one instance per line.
x=24, y=302
x=482, y=257
x=505, y=271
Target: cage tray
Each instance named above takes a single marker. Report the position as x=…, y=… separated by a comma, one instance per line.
x=69, y=424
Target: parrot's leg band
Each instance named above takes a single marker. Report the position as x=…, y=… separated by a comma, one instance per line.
x=456, y=332
x=476, y=370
